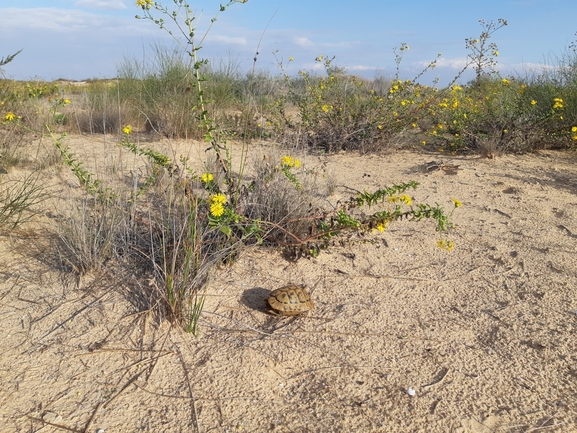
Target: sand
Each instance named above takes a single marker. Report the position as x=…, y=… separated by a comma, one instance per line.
x=404, y=336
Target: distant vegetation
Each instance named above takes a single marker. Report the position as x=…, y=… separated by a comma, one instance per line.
x=330, y=112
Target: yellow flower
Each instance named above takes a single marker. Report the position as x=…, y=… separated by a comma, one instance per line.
x=446, y=245
x=218, y=199
x=127, y=129
x=574, y=129
x=457, y=88
x=289, y=161
x=533, y=102
x=67, y=101
x=381, y=226
x=380, y=127
x=144, y=3
x=423, y=142
x=408, y=200
x=457, y=203
x=216, y=209
x=291, y=59
x=557, y=103
x=9, y=116
x=326, y=108
x=505, y=81
x=207, y=177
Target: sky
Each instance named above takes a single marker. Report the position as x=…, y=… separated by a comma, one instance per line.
x=84, y=39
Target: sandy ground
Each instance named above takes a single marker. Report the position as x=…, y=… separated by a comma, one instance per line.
x=485, y=335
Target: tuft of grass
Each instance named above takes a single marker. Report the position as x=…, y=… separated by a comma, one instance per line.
x=18, y=199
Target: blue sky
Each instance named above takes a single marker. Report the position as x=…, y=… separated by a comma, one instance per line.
x=80, y=39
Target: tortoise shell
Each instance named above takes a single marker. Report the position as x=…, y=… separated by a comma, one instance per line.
x=289, y=301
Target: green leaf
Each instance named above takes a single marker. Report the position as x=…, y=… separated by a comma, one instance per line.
x=226, y=230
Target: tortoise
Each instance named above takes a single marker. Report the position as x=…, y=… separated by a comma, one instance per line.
x=289, y=301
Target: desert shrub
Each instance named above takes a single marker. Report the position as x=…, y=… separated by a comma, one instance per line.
x=492, y=114
x=339, y=111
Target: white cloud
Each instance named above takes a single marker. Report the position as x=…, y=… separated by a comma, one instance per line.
x=361, y=68
x=456, y=64
x=102, y=4
x=346, y=44
x=532, y=67
x=304, y=42
x=38, y=20
x=230, y=40
x=46, y=19
x=307, y=43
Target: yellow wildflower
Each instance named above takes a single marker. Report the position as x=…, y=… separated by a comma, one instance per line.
x=446, y=245
x=207, y=177
x=557, y=103
x=533, y=102
x=216, y=209
x=505, y=81
x=289, y=161
x=408, y=200
x=218, y=199
x=9, y=116
x=291, y=59
x=457, y=203
x=574, y=129
x=326, y=108
x=127, y=129
x=381, y=226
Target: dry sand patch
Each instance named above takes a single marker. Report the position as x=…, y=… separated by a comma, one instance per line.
x=486, y=335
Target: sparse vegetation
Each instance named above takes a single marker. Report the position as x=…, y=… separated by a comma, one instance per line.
x=173, y=222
